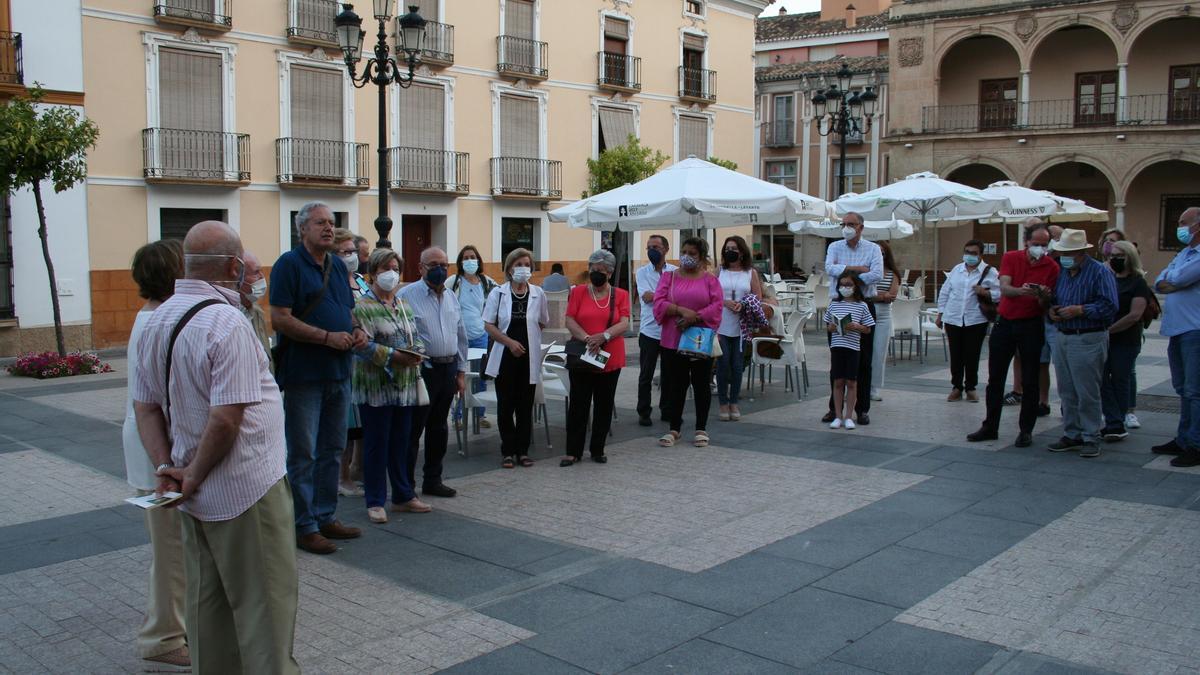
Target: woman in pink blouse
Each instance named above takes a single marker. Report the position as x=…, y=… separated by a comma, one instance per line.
x=689, y=296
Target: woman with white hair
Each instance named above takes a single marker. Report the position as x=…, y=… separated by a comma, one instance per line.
x=1124, y=337
x=598, y=316
x=514, y=316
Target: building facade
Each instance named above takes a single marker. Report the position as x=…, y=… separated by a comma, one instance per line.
x=1097, y=100
x=798, y=55
x=244, y=111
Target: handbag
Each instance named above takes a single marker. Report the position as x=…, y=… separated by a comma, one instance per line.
x=696, y=342
x=575, y=349
x=986, y=307
x=280, y=350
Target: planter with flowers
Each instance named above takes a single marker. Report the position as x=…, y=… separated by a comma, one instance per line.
x=46, y=365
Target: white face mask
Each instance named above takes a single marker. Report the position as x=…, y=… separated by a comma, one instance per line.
x=351, y=261
x=470, y=265
x=521, y=274
x=846, y=291
x=388, y=280
x=1037, y=251
x=258, y=289
x=848, y=233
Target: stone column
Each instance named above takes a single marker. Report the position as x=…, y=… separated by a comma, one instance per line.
x=1122, y=91
x=1023, y=99
x=1119, y=215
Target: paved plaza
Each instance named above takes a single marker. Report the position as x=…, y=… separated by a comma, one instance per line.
x=784, y=547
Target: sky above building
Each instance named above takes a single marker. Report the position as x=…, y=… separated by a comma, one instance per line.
x=792, y=6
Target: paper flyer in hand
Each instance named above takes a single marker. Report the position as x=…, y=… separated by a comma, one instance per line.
x=599, y=359
x=153, y=501
x=842, y=322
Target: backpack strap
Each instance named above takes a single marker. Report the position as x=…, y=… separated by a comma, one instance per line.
x=183, y=321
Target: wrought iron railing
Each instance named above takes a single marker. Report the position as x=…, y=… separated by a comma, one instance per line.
x=522, y=57
x=188, y=155
x=426, y=170
x=697, y=83
x=11, y=64
x=308, y=160
x=1141, y=109
x=779, y=133
x=619, y=70
x=215, y=12
x=526, y=177
x=312, y=20
x=439, y=42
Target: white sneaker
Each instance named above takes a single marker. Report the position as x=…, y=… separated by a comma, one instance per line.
x=849, y=424
x=1131, y=422
x=875, y=396
x=836, y=424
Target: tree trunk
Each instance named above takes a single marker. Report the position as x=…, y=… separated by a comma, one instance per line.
x=41, y=209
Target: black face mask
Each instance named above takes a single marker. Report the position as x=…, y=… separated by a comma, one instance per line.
x=598, y=279
x=731, y=256
x=1117, y=264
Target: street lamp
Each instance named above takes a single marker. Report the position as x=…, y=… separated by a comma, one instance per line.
x=847, y=115
x=381, y=70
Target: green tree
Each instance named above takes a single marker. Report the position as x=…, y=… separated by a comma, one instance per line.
x=726, y=163
x=617, y=166
x=44, y=143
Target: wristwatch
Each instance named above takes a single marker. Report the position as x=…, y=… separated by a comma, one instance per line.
x=164, y=465
x=607, y=336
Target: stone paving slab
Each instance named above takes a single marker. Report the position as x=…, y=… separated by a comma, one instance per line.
x=1111, y=585
x=673, y=506
x=35, y=485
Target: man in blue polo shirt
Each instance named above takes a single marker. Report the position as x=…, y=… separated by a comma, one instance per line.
x=310, y=310
x=1180, y=282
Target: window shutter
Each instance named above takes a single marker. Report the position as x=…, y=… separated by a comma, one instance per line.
x=693, y=43
x=316, y=103
x=519, y=126
x=617, y=125
x=189, y=85
x=422, y=116
x=428, y=9
x=693, y=137
x=518, y=18
x=617, y=29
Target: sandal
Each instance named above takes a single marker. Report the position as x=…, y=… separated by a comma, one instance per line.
x=1012, y=398
x=668, y=439
x=701, y=439
x=568, y=461
x=525, y=462
x=507, y=463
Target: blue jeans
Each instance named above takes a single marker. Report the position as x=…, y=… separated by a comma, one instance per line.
x=479, y=384
x=385, y=453
x=1116, y=394
x=315, y=430
x=729, y=370
x=1183, y=353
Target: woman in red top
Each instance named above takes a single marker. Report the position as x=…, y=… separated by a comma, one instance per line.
x=598, y=314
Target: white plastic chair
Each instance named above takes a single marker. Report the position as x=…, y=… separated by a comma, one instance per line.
x=471, y=402
x=930, y=327
x=794, y=356
x=811, y=283
x=553, y=385
x=906, y=325
x=916, y=291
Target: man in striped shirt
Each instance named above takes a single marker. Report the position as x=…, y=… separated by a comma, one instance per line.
x=866, y=258
x=1084, y=306
x=214, y=429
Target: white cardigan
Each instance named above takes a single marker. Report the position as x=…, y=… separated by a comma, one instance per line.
x=498, y=312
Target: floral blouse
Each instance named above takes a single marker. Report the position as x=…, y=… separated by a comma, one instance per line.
x=376, y=381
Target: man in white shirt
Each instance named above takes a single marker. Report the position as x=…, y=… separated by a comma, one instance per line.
x=650, y=331
x=865, y=258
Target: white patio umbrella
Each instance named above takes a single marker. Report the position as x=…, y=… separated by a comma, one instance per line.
x=1023, y=203
x=873, y=230
x=1075, y=210
x=925, y=197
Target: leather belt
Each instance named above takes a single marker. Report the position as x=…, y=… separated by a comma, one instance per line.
x=1080, y=331
x=442, y=360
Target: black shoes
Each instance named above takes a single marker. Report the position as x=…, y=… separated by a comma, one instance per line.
x=829, y=417
x=1065, y=444
x=1168, y=448
x=1089, y=450
x=645, y=421
x=1115, y=434
x=600, y=459
x=984, y=434
x=863, y=419
x=1189, y=457
x=439, y=490
x=1043, y=410
x=1024, y=440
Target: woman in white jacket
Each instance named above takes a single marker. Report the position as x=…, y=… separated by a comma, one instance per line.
x=514, y=317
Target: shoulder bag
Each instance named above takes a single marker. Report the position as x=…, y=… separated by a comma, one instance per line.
x=183, y=321
x=280, y=350
x=986, y=306
x=575, y=349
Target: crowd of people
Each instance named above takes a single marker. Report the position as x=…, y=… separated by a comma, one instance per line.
x=260, y=437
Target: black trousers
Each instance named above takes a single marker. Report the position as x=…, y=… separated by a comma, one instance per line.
x=649, y=353
x=441, y=379
x=966, y=343
x=514, y=403
x=866, y=353
x=594, y=394
x=1024, y=337
x=680, y=372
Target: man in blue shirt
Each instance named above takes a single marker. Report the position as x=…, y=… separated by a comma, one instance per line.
x=1181, y=323
x=649, y=330
x=1084, y=306
x=310, y=310
x=865, y=257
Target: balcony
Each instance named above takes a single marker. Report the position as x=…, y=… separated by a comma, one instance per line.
x=312, y=163
x=11, y=68
x=521, y=59
x=208, y=14
x=697, y=85
x=195, y=157
x=526, y=178
x=619, y=72
x=438, y=48
x=779, y=134
x=1144, y=110
x=310, y=22
x=425, y=171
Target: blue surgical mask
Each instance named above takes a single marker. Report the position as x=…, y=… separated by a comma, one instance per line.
x=436, y=276
x=470, y=266
x=1066, y=262
x=970, y=260
x=1184, y=234
x=655, y=256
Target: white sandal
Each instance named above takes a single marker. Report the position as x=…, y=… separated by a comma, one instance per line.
x=701, y=439
x=668, y=439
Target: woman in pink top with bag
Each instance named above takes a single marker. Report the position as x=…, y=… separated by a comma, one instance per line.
x=689, y=296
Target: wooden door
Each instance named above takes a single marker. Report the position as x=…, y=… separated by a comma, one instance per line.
x=417, y=232
x=1185, y=94
x=997, y=103
x=1096, y=98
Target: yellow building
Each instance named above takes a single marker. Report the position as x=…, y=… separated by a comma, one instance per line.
x=244, y=111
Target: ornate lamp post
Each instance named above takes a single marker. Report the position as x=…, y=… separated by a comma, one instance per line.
x=847, y=115
x=381, y=70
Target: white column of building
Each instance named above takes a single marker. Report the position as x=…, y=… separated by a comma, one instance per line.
x=873, y=169
x=824, y=173
x=1023, y=96
x=1122, y=88
x=1119, y=215
x=806, y=147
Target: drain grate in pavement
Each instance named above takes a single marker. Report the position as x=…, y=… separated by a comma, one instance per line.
x=1159, y=404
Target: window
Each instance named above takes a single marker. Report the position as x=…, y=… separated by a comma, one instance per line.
x=516, y=233
x=997, y=103
x=317, y=120
x=422, y=115
x=8, y=308
x=1096, y=98
x=782, y=173
x=856, y=175
x=1185, y=94
x=693, y=7
x=190, y=111
x=693, y=137
x=519, y=126
x=782, y=130
x=616, y=126
x=175, y=223
x=340, y=218
x=615, y=62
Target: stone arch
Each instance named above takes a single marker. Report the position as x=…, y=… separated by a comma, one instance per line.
x=1159, y=187
x=949, y=170
x=958, y=36
x=1141, y=165
x=1146, y=23
x=1054, y=25
x=1093, y=162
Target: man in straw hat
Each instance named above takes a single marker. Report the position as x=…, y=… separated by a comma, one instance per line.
x=1084, y=306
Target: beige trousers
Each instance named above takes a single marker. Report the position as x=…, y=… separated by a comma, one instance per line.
x=163, y=629
x=242, y=588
